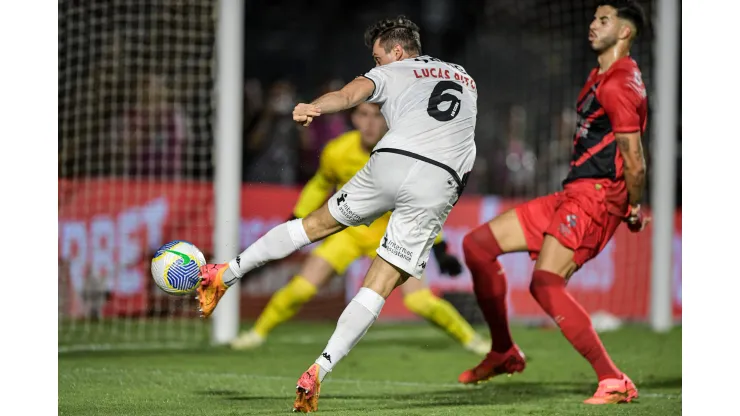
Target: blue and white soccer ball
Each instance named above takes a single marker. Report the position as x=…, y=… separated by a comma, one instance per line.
x=176, y=267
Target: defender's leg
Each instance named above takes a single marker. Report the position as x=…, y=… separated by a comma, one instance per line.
x=572, y=239
x=482, y=247
x=516, y=230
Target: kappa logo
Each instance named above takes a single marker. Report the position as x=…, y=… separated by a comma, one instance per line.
x=238, y=261
x=341, y=198
x=327, y=356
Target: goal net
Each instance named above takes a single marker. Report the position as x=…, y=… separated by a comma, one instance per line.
x=135, y=147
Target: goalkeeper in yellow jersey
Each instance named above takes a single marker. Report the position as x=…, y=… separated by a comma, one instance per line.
x=340, y=160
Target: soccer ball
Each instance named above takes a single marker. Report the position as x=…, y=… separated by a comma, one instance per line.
x=176, y=267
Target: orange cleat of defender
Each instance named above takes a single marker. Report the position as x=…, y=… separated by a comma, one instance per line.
x=512, y=361
x=211, y=288
x=613, y=391
x=307, y=391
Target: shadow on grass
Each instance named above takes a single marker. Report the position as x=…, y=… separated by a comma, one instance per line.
x=514, y=392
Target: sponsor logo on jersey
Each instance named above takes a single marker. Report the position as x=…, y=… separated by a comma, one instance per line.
x=391, y=247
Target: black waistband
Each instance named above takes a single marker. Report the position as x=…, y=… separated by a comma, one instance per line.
x=461, y=182
x=423, y=159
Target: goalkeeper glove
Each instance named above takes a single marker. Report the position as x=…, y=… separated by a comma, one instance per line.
x=448, y=264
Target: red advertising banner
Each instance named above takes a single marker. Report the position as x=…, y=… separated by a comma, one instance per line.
x=108, y=230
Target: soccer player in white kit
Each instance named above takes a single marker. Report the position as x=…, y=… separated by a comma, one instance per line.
x=417, y=171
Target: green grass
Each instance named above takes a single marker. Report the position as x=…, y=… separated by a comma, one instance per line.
x=395, y=370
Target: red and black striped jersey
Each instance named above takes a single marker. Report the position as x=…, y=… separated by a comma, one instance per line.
x=612, y=102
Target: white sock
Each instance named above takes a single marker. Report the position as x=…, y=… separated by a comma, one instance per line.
x=278, y=243
x=354, y=322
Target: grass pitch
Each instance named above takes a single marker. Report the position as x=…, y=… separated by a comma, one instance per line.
x=398, y=369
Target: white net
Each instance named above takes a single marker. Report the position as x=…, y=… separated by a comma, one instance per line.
x=135, y=143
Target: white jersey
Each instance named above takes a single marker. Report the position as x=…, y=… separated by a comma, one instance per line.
x=430, y=107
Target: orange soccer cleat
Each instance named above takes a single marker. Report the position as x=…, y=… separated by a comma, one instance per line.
x=512, y=361
x=613, y=391
x=307, y=391
x=211, y=288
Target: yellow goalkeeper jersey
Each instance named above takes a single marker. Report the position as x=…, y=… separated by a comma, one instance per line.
x=341, y=158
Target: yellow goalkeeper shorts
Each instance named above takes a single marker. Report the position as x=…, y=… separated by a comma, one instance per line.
x=342, y=248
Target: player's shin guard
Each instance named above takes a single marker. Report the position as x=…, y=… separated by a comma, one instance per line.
x=549, y=291
x=284, y=304
x=278, y=243
x=440, y=313
x=354, y=322
x=489, y=282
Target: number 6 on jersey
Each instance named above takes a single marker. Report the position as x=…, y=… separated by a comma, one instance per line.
x=439, y=96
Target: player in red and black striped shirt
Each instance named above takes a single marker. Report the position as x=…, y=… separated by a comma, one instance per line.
x=564, y=230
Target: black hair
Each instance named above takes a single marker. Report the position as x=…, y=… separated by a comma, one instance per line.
x=391, y=32
x=629, y=10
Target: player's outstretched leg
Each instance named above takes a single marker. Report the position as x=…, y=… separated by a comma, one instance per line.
x=354, y=322
x=278, y=243
x=482, y=246
x=554, y=266
x=420, y=300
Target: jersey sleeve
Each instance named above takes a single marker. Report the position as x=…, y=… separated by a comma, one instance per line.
x=379, y=76
x=621, y=96
x=319, y=187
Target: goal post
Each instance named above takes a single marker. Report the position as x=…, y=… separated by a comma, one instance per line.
x=664, y=161
x=228, y=141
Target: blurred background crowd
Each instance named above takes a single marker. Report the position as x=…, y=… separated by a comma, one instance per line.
x=137, y=92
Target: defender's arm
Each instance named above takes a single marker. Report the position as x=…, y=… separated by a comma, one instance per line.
x=630, y=146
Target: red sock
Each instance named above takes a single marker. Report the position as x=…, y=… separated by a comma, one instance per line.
x=489, y=282
x=549, y=291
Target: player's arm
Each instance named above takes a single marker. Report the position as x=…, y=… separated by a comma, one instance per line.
x=630, y=145
x=318, y=188
x=621, y=98
x=349, y=96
